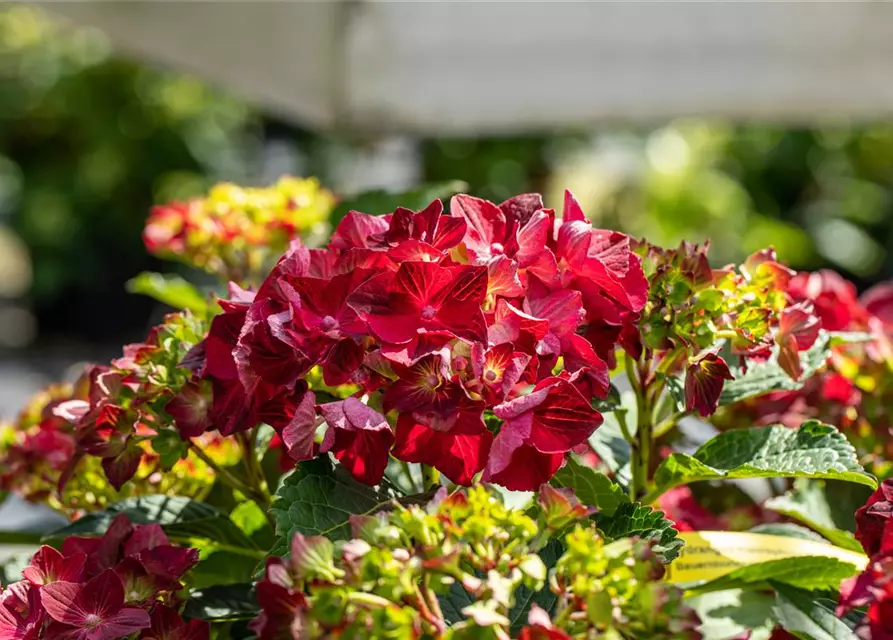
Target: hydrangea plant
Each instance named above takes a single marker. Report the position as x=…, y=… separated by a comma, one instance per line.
x=462, y=420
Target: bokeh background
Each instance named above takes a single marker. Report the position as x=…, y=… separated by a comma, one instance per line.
x=89, y=140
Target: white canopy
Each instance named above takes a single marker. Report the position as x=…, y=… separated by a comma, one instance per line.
x=483, y=67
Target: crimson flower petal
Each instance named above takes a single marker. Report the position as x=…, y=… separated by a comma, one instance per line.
x=144, y=537
x=166, y=624
x=48, y=565
x=359, y=437
x=704, y=380
x=459, y=453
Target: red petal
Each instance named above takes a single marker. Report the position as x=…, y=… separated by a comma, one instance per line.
x=102, y=596
x=122, y=467
x=704, y=380
x=144, y=537
x=124, y=623
x=48, y=565
x=459, y=453
x=59, y=601
x=355, y=229
x=359, y=437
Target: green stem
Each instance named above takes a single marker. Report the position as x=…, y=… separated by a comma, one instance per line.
x=664, y=426
x=234, y=482
x=640, y=454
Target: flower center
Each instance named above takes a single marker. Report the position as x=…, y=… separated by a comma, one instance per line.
x=328, y=324
x=428, y=313
x=490, y=375
x=92, y=620
x=497, y=249
x=432, y=380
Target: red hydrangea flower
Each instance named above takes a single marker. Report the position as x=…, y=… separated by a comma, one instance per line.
x=459, y=452
x=538, y=430
x=873, y=588
x=436, y=318
x=166, y=624
x=22, y=616
x=704, y=380
x=91, y=611
x=797, y=331
x=422, y=297
x=873, y=517
x=835, y=298
x=359, y=437
x=48, y=565
x=878, y=301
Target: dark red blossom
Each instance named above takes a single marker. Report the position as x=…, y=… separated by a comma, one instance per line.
x=459, y=452
x=190, y=409
x=359, y=437
x=835, y=298
x=428, y=390
x=797, y=331
x=423, y=296
x=22, y=616
x=704, y=380
x=872, y=519
x=91, y=611
x=166, y=624
x=878, y=301
x=48, y=565
x=537, y=431
x=437, y=318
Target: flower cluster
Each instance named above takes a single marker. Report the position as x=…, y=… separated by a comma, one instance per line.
x=426, y=323
x=115, y=586
x=116, y=422
x=234, y=231
x=691, y=307
x=874, y=587
x=468, y=552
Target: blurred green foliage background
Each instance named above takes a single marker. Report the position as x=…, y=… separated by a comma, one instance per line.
x=88, y=141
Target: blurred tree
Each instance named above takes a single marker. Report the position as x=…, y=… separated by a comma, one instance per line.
x=87, y=143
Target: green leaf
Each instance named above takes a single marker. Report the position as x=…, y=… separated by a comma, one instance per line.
x=216, y=568
x=788, y=530
x=380, y=202
x=169, y=289
x=806, y=572
x=185, y=521
x=807, y=503
x=763, y=377
x=452, y=603
x=252, y=520
x=230, y=602
x=611, y=402
x=319, y=500
x=815, y=450
x=733, y=613
x=169, y=446
x=634, y=519
x=544, y=598
x=801, y=613
x=592, y=488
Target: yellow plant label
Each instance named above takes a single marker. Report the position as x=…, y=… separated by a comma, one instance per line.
x=711, y=554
